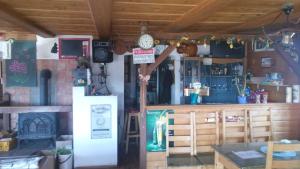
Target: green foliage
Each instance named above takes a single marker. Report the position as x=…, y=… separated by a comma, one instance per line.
x=63, y=151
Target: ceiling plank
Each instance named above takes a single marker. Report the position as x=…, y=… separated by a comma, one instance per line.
x=256, y=22
x=202, y=11
x=14, y=17
x=101, y=11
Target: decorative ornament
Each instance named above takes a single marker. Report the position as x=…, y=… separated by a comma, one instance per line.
x=144, y=78
x=156, y=42
x=119, y=47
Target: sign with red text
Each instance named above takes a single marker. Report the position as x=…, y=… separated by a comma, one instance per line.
x=141, y=56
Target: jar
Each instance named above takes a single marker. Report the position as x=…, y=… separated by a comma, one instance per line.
x=265, y=97
x=257, y=98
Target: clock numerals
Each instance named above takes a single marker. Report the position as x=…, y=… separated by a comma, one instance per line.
x=146, y=41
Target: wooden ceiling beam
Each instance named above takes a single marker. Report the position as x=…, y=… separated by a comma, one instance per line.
x=10, y=15
x=265, y=20
x=101, y=11
x=201, y=12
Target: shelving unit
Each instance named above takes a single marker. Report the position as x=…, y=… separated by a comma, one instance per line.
x=218, y=76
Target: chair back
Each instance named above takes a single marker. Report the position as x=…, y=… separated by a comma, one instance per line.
x=280, y=163
x=180, y=133
x=234, y=126
x=206, y=131
x=260, y=124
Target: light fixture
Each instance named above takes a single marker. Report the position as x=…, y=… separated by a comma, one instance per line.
x=204, y=43
x=287, y=38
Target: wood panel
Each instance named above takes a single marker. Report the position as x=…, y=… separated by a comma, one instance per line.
x=285, y=121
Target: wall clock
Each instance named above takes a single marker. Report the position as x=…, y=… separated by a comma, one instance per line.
x=146, y=41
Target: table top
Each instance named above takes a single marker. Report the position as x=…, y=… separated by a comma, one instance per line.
x=228, y=150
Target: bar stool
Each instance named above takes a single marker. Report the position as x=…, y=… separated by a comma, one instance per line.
x=135, y=117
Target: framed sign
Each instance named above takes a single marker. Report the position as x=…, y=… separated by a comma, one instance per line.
x=101, y=121
x=72, y=48
x=266, y=62
x=141, y=56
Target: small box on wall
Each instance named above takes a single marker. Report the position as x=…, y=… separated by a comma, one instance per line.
x=72, y=48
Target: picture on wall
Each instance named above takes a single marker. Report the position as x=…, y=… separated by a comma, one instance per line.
x=262, y=45
x=266, y=62
x=72, y=48
x=156, y=130
x=21, y=69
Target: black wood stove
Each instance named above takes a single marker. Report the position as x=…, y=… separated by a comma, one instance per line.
x=38, y=126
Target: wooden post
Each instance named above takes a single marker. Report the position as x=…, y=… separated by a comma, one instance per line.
x=147, y=70
x=143, y=103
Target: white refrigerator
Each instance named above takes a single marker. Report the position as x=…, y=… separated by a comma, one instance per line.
x=95, y=135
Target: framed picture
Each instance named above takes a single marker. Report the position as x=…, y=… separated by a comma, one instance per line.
x=72, y=48
x=266, y=62
x=261, y=45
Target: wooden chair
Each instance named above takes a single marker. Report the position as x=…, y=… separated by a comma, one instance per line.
x=260, y=125
x=207, y=131
x=234, y=126
x=180, y=131
x=274, y=163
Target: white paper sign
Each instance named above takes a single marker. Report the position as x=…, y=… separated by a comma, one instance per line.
x=248, y=154
x=101, y=121
x=141, y=56
x=5, y=50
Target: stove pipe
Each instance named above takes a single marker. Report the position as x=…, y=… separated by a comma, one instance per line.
x=45, y=94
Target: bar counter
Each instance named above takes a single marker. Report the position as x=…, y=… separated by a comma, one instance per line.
x=284, y=124
x=217, y=106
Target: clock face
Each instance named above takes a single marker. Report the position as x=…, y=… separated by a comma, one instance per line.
x=146, y=41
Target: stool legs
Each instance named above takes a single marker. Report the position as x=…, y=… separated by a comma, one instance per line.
x=135, y=132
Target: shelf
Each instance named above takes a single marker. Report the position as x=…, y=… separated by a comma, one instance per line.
x=215, y=60
x=269, y=85
x=217, y=76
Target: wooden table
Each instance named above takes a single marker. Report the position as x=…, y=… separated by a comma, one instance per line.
x=225, y=158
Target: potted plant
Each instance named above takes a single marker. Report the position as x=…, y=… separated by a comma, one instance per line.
x=241, y=88
x=65, y=159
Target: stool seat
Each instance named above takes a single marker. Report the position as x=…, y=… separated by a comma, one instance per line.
x=135, y=117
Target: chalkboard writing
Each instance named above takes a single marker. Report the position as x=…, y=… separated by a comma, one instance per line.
x=21, y=68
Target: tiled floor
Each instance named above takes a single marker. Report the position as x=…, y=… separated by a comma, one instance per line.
x=129, y=161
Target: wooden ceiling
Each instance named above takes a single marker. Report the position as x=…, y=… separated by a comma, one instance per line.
x=123, y=18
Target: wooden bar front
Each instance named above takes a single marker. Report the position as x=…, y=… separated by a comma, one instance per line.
x=285, y=124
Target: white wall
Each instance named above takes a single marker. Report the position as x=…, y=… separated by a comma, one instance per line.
x=115, y=83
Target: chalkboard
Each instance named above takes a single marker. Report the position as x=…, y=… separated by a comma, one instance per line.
x=72, y=48
x=21, y=68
